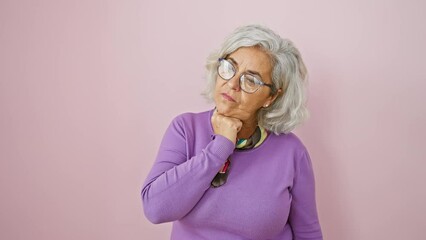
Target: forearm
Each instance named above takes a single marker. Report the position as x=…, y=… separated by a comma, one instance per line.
x=174, y=187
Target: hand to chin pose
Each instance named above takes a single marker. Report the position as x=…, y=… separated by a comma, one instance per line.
x=226, y=126
x=192, y=180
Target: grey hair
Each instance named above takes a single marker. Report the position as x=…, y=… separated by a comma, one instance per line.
x=288, y=73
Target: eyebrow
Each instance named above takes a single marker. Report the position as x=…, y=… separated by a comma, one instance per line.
x=249, y=71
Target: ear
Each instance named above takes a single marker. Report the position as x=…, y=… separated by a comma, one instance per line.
x=272, y=98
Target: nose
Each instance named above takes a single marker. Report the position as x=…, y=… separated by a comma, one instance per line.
x=234, y=83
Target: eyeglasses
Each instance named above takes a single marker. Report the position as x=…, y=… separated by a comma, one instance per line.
x=249, y=83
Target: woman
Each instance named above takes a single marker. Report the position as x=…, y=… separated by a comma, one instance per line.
x=237, y=172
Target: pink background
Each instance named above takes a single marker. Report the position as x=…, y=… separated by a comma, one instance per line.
x=88, y=87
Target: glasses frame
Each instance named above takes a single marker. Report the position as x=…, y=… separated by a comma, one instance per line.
x=260, y=83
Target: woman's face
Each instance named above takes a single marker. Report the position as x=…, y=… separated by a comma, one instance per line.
x=230, y=100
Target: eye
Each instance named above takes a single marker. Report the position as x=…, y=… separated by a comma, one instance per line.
x=251, y=80
x=226, y=70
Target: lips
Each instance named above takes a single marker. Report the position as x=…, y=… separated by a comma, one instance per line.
x=227, y=97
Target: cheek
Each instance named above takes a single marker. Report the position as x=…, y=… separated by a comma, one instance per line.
x=249, y=102
x=217, y=91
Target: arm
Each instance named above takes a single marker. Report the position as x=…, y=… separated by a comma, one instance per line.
x=175, y=183
x=303, y=213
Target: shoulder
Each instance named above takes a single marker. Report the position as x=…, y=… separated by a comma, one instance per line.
x=290, y=143
x=289, y=140
x=191, y=117
x=189, y=122
x=187, y=125
x=296, y=150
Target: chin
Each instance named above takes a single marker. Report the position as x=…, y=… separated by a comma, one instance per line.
x=230, y=112
x=222, y=109
x=225, y=110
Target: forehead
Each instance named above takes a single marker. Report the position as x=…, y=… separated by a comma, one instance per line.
x=253, y=59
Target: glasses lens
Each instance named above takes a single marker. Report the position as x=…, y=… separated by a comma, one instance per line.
x=250, y=83
x=226, y=70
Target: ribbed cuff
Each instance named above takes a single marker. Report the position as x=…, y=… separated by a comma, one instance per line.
x=221, y=147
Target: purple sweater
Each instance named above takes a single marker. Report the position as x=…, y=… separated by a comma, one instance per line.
x=269, y=194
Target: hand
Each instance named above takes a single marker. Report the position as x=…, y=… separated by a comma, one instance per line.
x=226, y=126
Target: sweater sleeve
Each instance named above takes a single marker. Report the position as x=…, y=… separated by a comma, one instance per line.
x=303, y=213
x=175, y=183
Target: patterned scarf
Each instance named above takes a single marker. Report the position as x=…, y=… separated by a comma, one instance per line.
x=254, y=141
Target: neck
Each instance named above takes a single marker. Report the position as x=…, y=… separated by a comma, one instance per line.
x=247, y=129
